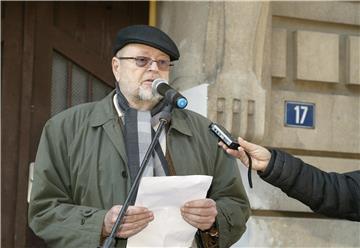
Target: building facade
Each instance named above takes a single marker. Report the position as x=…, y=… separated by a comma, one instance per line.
x=281, y=74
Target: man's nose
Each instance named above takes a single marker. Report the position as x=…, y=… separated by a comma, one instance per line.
x=153, y=66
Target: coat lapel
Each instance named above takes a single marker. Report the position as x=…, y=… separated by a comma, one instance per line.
x=105, y=115
x=115, y=134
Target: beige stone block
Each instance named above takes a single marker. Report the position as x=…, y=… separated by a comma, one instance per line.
x=353, y=56
x=299, y=232
x=337, y=123
x=317, y=56
x=264, y=196
x=340, y=165
x=346, y=12
x=278, y=53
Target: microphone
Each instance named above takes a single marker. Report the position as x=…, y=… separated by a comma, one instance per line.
x=162, y=87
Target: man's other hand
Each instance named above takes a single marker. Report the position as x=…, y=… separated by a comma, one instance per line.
x=135, y=220
x=200, y=213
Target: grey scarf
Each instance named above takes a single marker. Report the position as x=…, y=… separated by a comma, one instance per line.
x=138, y=134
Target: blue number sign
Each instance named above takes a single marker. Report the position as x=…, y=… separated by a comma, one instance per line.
x=299, y=114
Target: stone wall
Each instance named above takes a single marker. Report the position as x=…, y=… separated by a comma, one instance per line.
x=255, y=56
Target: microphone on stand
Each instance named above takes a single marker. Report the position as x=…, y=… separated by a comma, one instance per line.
x=162, y=87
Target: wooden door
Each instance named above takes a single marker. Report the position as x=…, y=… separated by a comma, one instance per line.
x=54, y=55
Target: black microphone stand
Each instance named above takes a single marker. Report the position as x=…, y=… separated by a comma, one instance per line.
x=164, y=118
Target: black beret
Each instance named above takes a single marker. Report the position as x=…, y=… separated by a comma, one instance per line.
x=146, y=35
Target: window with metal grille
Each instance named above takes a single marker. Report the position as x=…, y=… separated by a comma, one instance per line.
x=72, y=85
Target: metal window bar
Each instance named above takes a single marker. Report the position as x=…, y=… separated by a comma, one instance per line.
x=72, y=85
x=69, y=85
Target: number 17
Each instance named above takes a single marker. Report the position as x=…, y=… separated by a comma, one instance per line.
x=300, y=110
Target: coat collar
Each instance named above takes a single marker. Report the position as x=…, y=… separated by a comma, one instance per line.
x=104, y=111
x=180, y=123
x=104, y=115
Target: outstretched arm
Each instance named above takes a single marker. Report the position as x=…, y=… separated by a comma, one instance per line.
x=332, y=194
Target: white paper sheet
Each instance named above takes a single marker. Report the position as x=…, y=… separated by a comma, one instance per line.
x=164, y=196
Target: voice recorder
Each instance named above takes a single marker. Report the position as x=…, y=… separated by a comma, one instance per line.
x=224, y=136
x=227, y=139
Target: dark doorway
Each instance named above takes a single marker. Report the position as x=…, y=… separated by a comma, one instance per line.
x=53, y=55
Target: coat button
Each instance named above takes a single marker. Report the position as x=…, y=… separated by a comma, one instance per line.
x=88, y=211
x=124, y=174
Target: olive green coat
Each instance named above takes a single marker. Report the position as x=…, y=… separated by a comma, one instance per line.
x=80, y=173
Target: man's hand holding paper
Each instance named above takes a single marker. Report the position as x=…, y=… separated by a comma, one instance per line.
x=136, y=219
x=179, y=207
x=200, y=213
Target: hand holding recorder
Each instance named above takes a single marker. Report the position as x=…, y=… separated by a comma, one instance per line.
x=259, y=155
x=232, y=147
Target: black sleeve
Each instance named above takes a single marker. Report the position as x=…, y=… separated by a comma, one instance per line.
x=332, y=194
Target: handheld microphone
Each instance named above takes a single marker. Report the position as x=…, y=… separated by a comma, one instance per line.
x=162, y=87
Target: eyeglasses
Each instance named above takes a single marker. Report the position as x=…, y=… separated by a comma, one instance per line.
x=142, y=61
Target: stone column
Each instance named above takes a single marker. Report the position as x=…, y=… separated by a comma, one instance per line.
x=224, y=44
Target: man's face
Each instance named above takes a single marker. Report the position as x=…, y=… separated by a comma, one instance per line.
x=134, y=81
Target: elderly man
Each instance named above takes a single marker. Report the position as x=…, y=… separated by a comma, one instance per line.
x=89, y=155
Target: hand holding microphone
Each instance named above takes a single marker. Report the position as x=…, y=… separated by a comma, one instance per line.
x=161, y=87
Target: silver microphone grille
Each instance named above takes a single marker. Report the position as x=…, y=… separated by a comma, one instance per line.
x=156, y=83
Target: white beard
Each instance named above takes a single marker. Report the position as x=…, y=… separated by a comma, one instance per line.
x=145, y=94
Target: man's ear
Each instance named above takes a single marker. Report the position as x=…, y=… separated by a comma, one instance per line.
x=115, y=65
